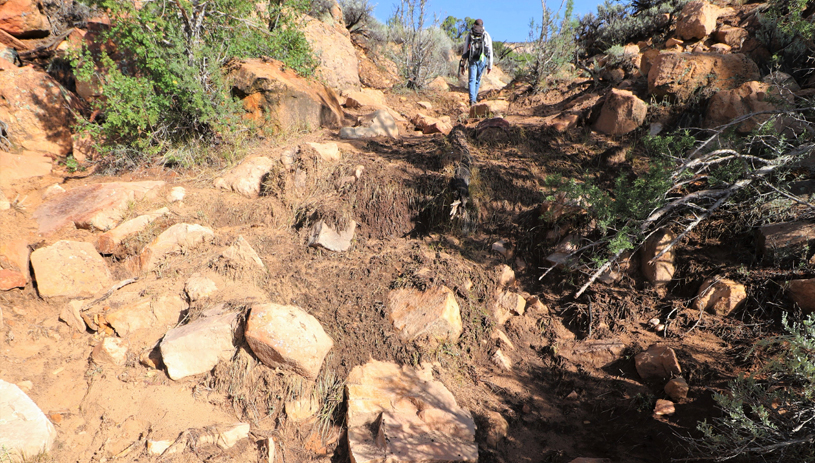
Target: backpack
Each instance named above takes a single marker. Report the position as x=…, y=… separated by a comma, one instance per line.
x=476, y=52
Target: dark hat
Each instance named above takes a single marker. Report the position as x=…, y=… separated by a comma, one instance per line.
x=479, y=22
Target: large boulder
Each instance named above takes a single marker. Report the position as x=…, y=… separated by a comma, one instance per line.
x=748, y=98
x=734, y=37
x=25, y=432
x=37, y=111
x=402, y=414
x=783, y=241
x=99, y=206
x=23, y=19
x=70, y=269
x=174, y=239
x=697, y=20
x=681, y=75
x=339, y=67
x=431, y=315
x=273, y=93
x=622, y=113
x=284, y=336
x=198, y=346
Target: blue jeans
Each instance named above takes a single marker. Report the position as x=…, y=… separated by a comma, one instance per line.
x=476, y=70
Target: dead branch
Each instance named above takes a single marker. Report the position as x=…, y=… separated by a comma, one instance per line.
x=110, y=292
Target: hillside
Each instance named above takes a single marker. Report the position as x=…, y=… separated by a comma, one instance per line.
x=325, y=257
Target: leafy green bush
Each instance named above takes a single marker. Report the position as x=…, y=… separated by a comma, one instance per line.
x=166, y=84
x=456, y=28
x=618, y=23
x=769, y=413
x=786, y=32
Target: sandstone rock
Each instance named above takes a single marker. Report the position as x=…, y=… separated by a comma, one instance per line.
x=403, y=414
x=110, y=350
x=376, y=124
x=37, y=111
x=430, y=125
x=662, y=270
x=677, y=389
x=802, y=292
x=176, y=194
x=325, y=237
x=731, y=36
x=680, y=75
x=242, y=252
x=329, y=152
x=71, y=316
x=246, y=178
x=70, y=269
x=10, y=279
x=673, y=42
x=431, y=316
x=110, y=241
x=284, y=336
x=145, y=312
x=622, y=113
x=424, y=105
x=594, y=353
x=502, y=338
x=174, y=239
x=23, y=19
x=225, y=436
x=25, y=430
x=562, y=122
x=750, y=97
x=697, y=20
x=782, y=81
x=664, y=407
x=720, y=296
x=100, y=206
x=338, y=64
x=365, y=97
x=274, y=94
x=25, y=165
x=507, y=304
x=505, y=274
x=197, y=347
x=657, y=362
x=14, y=256
x=488, y=108
x=493, y=130
x=439, y=84
x=783, y=241
x=720, y=48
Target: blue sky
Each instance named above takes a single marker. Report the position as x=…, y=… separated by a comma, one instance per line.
x=506, y=20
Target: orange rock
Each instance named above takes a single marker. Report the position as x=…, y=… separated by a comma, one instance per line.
x=750, y=97
x=338, y=65
x=622, y=113
x=802, y=292
x=720, y=296
x=37, y=110
x=697, y=20
x=70, y=269
x=731, y=36
x=680, y=75
x=23, y=19
x=10, y=279
x=662, y=270
x=657, y=362
x=274, y=94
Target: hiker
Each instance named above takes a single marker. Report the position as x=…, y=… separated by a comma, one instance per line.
x=478, y=55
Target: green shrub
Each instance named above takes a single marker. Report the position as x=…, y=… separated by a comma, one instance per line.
x=423, y=52
x=166, y=85
x=618, y=23
x=787, y=33
x=769, y=413
x=553, y=43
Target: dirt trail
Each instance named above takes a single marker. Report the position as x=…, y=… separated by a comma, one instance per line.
x=557, y=409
